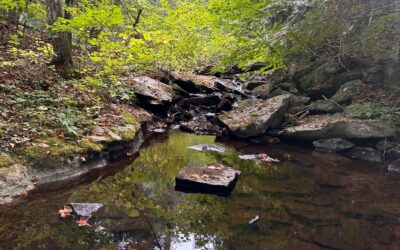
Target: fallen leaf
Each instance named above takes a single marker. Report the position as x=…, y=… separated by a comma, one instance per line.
x=43, y=145
x=82, y=222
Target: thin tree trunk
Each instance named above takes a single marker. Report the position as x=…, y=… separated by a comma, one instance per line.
x=61, y=41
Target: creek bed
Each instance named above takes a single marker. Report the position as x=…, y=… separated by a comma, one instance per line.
x=309, y=200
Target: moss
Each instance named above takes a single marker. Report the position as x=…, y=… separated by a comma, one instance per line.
x=91, y=146
x=6, y=160
x=128, y=118
x=56, y=147
x=127, y=133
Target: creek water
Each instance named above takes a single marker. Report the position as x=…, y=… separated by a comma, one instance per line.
x=309, y=200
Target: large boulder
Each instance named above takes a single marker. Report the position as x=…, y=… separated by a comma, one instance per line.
x=151, y=89
x=347, y=92
x=338, y=126
x=255, y=117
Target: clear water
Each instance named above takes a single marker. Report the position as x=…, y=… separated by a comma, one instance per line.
x=308, y=201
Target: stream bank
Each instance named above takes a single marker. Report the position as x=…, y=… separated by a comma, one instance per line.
x=265, y=110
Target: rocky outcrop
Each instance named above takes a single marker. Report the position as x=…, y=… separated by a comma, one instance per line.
x=338, y=126
x=156, y=91
x=255, y=117
x=200, y=83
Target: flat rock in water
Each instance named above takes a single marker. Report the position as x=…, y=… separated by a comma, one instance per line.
x=332, y=145
x=207, y=147
x=86, y=209
x=338, y=126
x=394, y=166
x=364, y=154
x=255, y=117
x=213, y=178
x=157, y=91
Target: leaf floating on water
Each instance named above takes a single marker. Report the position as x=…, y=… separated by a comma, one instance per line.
x=83, y=222
x=65, y=212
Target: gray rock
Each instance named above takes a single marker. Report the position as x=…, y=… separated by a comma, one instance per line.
x=148, y=87
x=263, y=91
x=255, y=117
x=347, y=92
x=324, y=107
x=289, y=86
x=394, y=166
x=337, y=126
x=364, y=154
x=332, y=145
x=253, y=84
x=200, y=83
x=202, y=126
x=214, y=178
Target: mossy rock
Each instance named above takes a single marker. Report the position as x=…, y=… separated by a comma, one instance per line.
x=6, y=160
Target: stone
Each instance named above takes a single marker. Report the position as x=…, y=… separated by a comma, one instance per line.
x=289, y=86
x=225, y=104
x=200, y=125
x=255, y=117
x=347, y=92
x=201, y=83
x=394, y=166
x=338, y=126
x=364, y=154
x=155, y=90
x=213, y=178
x=253, y=84
x=324, y=107
x=332, y=145
x=263, y=91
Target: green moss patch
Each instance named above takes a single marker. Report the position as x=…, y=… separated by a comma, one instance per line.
x=6, y=160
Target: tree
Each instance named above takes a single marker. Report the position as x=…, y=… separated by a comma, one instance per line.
x=61, y=41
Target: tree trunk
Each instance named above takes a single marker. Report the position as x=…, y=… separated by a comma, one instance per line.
x=61, y=41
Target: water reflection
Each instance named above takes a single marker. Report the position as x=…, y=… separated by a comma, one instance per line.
x=303, y=202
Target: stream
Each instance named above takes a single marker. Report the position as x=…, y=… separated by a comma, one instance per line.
x=309, y=200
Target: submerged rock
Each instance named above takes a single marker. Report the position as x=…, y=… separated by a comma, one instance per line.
x=337, y=126
x=332, y=145
x=214, y=178
x=364, y=154
x=255, y=117
x=206, y=147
